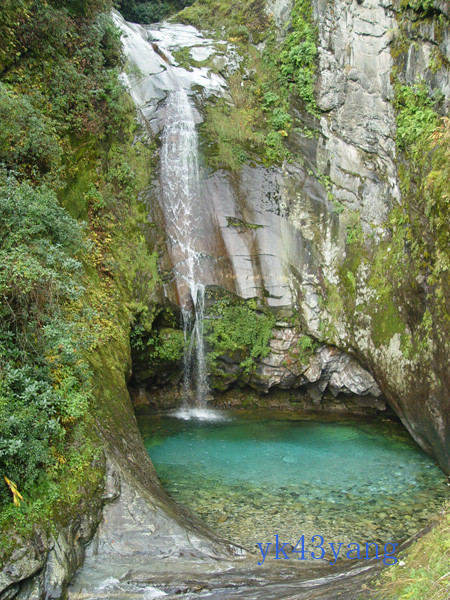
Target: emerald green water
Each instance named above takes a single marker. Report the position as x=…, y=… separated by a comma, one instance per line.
x=251, y=477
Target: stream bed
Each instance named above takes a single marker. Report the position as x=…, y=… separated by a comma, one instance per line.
x=251, y=476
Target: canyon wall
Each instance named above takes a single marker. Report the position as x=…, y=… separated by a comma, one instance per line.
x=317, y=240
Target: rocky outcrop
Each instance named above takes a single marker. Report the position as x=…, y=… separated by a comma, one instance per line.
x=358, y=152
x=288, y=366
x=42, y=567
x=354, y=92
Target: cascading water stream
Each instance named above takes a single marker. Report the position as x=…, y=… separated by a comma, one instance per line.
x=180, y=190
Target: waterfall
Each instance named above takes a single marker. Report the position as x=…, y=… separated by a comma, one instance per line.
x=180, y=192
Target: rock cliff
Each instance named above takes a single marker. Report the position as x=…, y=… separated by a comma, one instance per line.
x=318, y=238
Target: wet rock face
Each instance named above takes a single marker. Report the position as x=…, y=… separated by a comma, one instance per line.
x=355, y=93
x=280, y=10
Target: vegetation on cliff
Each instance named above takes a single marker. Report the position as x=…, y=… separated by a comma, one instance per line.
x=69, y=150
x=258, y=120
x=237, y=328
x=149, y=11
x=406, y=272
x=72, y=164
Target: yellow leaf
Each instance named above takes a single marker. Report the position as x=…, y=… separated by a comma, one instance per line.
x=17, y=496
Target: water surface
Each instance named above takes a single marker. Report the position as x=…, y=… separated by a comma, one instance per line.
x=251, y=476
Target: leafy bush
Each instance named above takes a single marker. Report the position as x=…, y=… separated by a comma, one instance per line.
x=415, y=114
x=28, y=142
x=85, y=92
x=297, y=58
x=237, y=328
x=145, y=11
x=280, y=119
x=158, y=346
x=65, y=62
x=11, y=12
x=423, y=7
x=44, y=386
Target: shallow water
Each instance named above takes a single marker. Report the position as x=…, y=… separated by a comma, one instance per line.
x=251, y=477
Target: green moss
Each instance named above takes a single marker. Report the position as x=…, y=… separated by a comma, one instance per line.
x=420, y=226
x=386, y=322
x=333, y=312
x=354, y=228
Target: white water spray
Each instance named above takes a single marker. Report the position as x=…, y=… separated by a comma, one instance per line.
x=180, y=192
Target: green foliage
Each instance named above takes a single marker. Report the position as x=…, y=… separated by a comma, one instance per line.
x=298, y=55
x=233, y=129
x=338, y=207
x=354, y=230
x=306, y=345
x=12, y=12
x=423, y=7
x=238, y=329
x=422, y=222
x=280, y=119
x=44, y=387
x=145, y=11
x=159, y=345
x=415, y=114
x=70, y=482
x=65, y=63
x=241, y=21
x=28, y=142
x=256, y=123
x=67, y=129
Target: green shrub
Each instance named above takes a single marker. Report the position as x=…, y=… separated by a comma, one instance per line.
x=44, y=386
x=415, y=114
x=238, y=328
x=145, y=11
x=298, y=55
x=423, y=7
x=66, y=60
x=28, y=141
x=158, y=346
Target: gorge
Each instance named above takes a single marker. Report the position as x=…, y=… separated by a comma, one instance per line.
x=263, y=258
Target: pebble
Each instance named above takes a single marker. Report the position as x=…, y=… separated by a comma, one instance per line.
x=256, y=514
